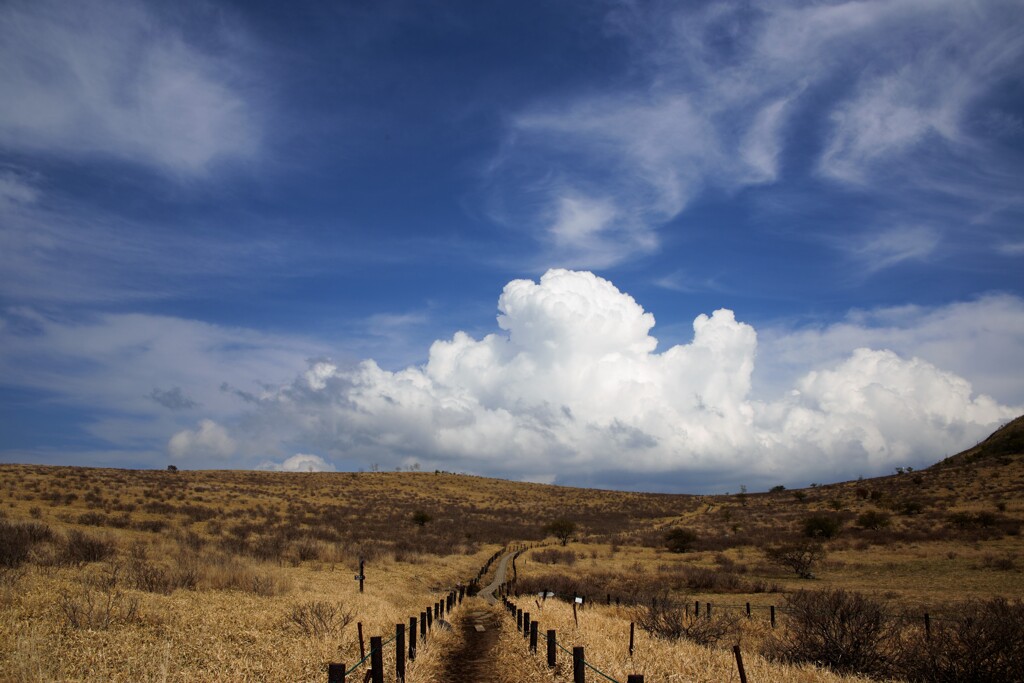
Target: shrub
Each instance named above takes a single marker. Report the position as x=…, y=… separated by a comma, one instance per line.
x=680, y=540
x=319, y=619
x=80, y=548
x=822, y=526
x=17, y=541
x=847, y=632
x=873, y=520
x=978, y=643
x=672, y=619
x=800, y=556
x=554, y=556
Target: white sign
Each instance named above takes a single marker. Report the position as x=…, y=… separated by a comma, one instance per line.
x=579, y=601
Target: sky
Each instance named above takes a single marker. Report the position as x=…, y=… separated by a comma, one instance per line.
x=658, y=246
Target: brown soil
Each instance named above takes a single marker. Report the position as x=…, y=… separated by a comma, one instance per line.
x=472, y=661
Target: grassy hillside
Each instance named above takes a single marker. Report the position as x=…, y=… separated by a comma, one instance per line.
x=204, y=575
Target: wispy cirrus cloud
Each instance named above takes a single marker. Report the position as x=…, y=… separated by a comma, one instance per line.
x=720, y=94
x=116, y=79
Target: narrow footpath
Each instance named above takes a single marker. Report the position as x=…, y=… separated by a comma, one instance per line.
x=472, y=660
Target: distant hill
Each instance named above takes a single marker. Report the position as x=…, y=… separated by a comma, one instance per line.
x=1000, y=448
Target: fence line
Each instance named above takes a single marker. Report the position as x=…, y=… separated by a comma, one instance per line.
x=338, y=672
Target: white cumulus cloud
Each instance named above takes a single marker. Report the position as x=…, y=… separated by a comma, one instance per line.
x=573, y=387
x=300, y=462
x=208, y=440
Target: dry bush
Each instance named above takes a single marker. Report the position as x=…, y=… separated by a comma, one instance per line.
x=845, y=631
x=317, y=618
x=80, y=548
x=981, y=643
x=672, y=619
x=17, y=541
x=554, y=556
x=93, y=609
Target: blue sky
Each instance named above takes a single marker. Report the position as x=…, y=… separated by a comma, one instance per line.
x=493, y=238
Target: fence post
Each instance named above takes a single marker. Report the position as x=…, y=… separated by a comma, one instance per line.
x=696, y=608
x=519, y=619
x=526, y=624
x=748, y=610
x=362, y=645
x=579, y=674
x=376, y=659
x=635, y=678
x=430, y=621
x=400, y=652
x=707, y=611
x=551, y=647
x=927, y=626
x=773, y=615
x=739, y=663
x=533, y=636
x=335, y=673
x=412, y=638
x=632, y=628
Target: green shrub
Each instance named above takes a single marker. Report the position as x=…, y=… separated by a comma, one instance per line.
x=822, y=526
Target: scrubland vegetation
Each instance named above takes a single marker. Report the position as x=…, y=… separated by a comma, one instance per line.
x=184, y=576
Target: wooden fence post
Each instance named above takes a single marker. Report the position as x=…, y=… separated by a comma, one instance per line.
x=412, y=638
x=362, y=574
x=429, y=620
x=362, y=645
x=707, y=610
x=400, y=652
x=533, y=636
x=335, y=673
x=376, y=659
x=579, y=674
x=635, y=678
x=739, y=663
x=551, y=647
x=632, y=628
x=748, y=610
x=773, y=615
x=526, y=624
x=519, y=619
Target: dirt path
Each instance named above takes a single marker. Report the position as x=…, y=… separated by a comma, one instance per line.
x=472, y=660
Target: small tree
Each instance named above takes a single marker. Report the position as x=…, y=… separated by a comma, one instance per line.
x=680, y=540
x=562, y=529
x=873, y=520
x=822, y=526
x=800, y=556
x=420, y=518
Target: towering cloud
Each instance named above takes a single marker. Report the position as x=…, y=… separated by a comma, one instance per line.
x=574, y=386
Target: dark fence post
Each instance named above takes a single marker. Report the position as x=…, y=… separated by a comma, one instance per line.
x=429, y=620
x=579, y=674
x=707, y=612
x=400, y=652
x=748, y=610
x=632, y=628
x=773, y=615
x=362, y=574
x=362, y=645
x=526, y=624
x=739, y=663
x=376, y=659
x=412, y=638
x=551, y=647
x=927, y=626
x=533, y=636
x=635, y=678
x=519, y=619
x=335, y=673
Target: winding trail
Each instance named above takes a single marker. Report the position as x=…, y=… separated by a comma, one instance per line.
x=472, y=660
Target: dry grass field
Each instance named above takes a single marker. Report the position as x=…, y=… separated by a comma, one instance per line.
x=116, y=575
